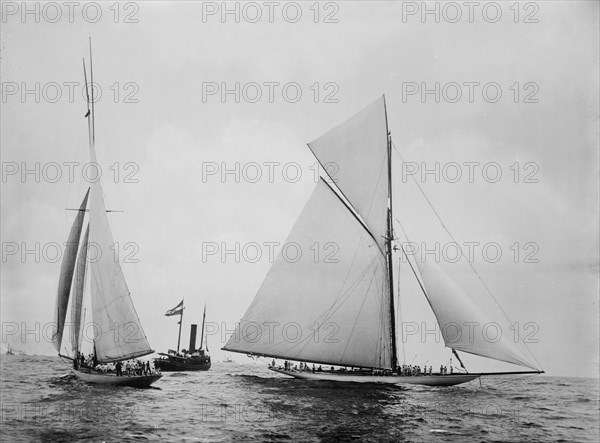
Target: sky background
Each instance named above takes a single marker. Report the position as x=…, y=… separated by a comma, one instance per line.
x=154, y=123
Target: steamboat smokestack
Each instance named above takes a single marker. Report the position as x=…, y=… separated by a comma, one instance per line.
x=192, y=347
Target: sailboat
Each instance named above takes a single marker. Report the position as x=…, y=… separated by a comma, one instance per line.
x=340, y=313
x=191, y=359
x=119, y=335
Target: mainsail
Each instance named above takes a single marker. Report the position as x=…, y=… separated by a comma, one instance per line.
x=66, y=274
x=77, y=300
x=118, y=331
x=324, y=299
x=356, y=157
x=464, y=325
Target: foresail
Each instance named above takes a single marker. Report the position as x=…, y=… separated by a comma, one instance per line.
x=77, y=300
x=119, y=334
x=66, y=274
x=355, y=155
x=325, y=297
x=467, y=327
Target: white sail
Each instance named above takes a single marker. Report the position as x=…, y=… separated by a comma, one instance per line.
x=66, y=274
x=325, y=299
x=119, y=334
x=464, y=325
x=77, y=300
x=355, y=154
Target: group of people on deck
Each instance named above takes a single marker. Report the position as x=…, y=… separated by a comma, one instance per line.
x=81, y=361
x=127, y=368
x=410, y=370
x=287, y=365
x=134, y=367
x=403, y=370
x=444, y=370
x=415, y=370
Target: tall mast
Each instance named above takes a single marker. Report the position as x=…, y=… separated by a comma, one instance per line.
x=180, y=322
x=92, y=88
x=202, y=332
x=88, y=113
x=389, y=237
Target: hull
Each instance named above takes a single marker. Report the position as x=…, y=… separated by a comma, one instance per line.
x=135, y=381
x=174, y=364
x=426, y=380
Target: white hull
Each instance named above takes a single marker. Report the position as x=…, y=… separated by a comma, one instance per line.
x=427, y=380
x=136, y=381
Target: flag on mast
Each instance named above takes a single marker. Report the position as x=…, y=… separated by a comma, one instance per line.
x=176, y=310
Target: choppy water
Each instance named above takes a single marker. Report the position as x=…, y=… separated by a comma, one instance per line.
x=234, y=402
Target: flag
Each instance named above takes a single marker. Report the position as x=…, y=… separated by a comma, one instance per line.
x=176, y=310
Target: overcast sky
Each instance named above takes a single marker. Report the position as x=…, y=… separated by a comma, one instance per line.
x=165, y=132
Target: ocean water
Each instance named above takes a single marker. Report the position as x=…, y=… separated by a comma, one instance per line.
x=246, y=402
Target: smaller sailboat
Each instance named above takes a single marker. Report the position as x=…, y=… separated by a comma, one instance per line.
x=118, y=336
x=191, y=359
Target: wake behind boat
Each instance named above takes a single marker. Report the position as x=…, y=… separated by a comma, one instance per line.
x=118, y=332
x=341, y=312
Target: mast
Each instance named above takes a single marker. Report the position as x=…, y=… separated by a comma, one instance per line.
x=92, y=88
x=202, y=332
x=180, y=322
x=389, y=251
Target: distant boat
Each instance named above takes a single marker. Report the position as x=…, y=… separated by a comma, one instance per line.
x=9, y=350
x=340, y=314
x=191, y=359
x=228, y=360
x=119, y=335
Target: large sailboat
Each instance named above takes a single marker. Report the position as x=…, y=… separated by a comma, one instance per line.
x=339, y=313
x=191, y=359
x=118, y=333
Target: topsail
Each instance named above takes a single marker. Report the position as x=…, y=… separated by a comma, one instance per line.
x=355, y=155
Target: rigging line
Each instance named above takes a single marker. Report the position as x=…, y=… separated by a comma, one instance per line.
x=357, y=317
x=461, y=252
x=383, y=316
x=384, y=342
x=400, y=315
x=421, y=285
x=257, y=299
x=341, y=297
x=334, y=183
x=353, y=211
x=333, y=309
x=341, y=293
x=370, y=268
x=381, y=172
x=350, y=290
x=407, y=259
